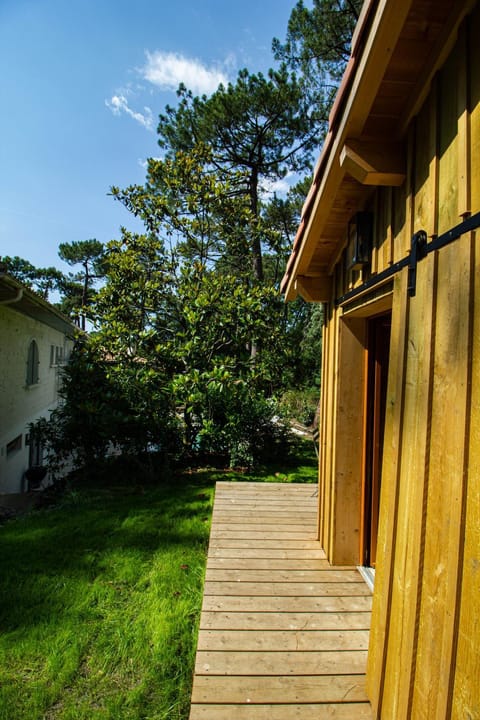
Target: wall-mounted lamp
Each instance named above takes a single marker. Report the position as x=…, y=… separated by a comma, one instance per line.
x=360, y=240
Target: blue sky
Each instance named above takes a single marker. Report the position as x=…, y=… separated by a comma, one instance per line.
x=82, y=85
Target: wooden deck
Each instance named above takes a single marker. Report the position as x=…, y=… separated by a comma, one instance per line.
x=283, y=635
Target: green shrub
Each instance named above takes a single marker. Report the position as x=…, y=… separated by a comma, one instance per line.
x=118, y=406
x=242, y=428
x=300, y=404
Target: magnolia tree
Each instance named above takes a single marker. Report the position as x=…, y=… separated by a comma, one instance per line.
x=190, y=341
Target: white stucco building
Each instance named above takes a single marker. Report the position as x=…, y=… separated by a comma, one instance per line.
x=35, y=341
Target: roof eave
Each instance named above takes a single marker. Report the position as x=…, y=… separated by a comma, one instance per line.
x=379, y=28
x=347, y=154
x=50, y=315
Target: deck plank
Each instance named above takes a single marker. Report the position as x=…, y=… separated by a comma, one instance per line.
x=260, y=603
x=341, y=711
x=293, y=621
x=283, y=634
x=276, y=640
x=282, y=576
x=264, y=544
x=254, y=563
x=326, y=662
x=266, y=553
x=286, y=589
x=280, y=688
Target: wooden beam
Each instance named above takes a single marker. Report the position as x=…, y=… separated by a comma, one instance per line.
x=374, y=163
x=314, y=289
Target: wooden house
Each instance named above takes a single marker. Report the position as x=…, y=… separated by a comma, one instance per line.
x=389, y=241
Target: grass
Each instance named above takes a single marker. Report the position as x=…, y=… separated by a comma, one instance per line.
x=100, y=598
x=300, y=467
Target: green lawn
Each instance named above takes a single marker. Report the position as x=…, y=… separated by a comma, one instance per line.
x=100, y=598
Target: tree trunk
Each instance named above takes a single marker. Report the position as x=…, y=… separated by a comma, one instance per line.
x=257, y=263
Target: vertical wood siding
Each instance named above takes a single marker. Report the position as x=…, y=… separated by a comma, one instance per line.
x=465, y=700
x=424, y=658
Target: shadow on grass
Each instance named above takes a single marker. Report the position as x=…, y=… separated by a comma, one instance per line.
x=105, y=531
x=97, y=538
x=301, y=466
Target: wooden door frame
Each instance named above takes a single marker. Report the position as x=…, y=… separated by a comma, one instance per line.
x=342, y=448
x=372, y=454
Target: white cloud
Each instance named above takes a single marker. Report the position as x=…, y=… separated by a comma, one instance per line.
x=279, y=187
x=167, y=70
x=118, y=104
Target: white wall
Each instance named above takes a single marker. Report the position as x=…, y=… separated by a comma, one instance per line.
x=21, y=404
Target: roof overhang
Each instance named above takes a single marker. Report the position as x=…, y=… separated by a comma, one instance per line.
x=397, y=48
x=18, y=297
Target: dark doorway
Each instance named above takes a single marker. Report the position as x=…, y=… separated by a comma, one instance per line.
x=377, y=356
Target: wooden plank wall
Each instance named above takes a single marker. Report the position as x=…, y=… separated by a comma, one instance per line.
x=465, y=700
x=424, y=658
